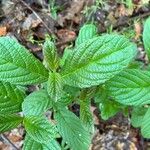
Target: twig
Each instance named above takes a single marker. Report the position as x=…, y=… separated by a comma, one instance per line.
x=25, y=4
x=6, y=140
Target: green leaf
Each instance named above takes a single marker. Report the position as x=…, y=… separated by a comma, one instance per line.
x=69, y=94
x=146, y=37
x=64, y=100
x=87, y=32
x=72, y=130
x=50, y=55
x=66, y=53
x=101, y=94
x=36, y=103
x=11, y=98
x=29, y=144
x=54, y=85
x=18, y=66
x=39, y=128
x=145, y=129
x=74, y=92
x=8, y=122
x=52, y=145
x=98, y=60
x=137, y=116
x=136, y=65
x=130, y=87
x=109, y=109
x=85, y=114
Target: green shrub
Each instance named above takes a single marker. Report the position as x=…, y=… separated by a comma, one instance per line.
x=99, y=68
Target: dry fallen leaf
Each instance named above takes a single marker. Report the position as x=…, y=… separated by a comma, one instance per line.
x=122, y=10
x=112, y=18
x=136, y=1
x=15, y=138
x=76, y=7
x=72, y=13
x=66, y=35
x=120, y=146
x=3, y=31
x=137, y=28
x=3, y=146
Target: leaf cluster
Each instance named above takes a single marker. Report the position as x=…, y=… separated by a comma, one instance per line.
x=98, y=67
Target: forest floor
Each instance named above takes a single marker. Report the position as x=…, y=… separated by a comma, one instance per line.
x=29, y=21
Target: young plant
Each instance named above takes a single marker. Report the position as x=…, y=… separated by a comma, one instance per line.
x=97, y=68
x=53, y=9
